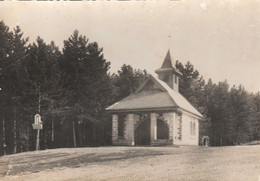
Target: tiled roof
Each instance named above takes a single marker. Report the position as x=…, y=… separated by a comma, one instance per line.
x=166, y=98
x=144, y=100
x=179, y=100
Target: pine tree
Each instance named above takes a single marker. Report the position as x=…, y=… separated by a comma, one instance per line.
x=192, y=85
x=5, y=50
x=127, y=80
x=12, y=84
x=86, y=83
x=42, y=85
x=243, y=114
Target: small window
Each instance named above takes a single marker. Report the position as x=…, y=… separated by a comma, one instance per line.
x=192, y=128
x=176, y=79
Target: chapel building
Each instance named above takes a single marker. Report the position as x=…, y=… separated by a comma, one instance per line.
x=156, y=114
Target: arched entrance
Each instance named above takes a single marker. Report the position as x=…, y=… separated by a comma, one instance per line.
x=162, y=129
x=142, y=133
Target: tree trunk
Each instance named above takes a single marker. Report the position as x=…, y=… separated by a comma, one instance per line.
x=52, y=126
x=15, y=129
x=237, y=132
x=39, y=103
x=38, y=131
x=80, y=134
x=4, y=144
x=94, y=134
x=74, y=134
x=52, y=130
x=84, y=134
x=27, y=140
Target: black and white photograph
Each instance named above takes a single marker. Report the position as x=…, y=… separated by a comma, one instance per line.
x=130, y=90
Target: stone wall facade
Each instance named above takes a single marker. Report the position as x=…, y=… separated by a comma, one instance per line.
x=178, y=125
x=114, y=128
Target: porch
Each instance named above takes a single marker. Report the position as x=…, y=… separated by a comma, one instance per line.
x=155, y=129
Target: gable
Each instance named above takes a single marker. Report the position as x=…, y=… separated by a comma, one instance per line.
x=150, y=85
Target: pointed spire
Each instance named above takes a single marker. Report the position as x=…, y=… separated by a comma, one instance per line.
x=167, y=63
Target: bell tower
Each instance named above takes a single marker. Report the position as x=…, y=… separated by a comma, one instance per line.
x=168, y=73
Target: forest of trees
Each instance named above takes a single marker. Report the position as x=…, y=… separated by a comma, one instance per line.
x=70, y=89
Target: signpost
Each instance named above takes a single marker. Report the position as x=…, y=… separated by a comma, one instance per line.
x=38, y=126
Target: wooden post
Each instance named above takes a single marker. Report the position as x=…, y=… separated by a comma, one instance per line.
x=38, y=140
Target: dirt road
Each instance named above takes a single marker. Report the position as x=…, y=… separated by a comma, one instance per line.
x=136, y=163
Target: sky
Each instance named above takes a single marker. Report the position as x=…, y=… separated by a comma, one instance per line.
x=221, y=38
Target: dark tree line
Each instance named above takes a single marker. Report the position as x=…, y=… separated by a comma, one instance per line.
x=231, y=113
x=70, y=88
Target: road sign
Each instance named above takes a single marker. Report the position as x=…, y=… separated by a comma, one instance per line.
x=37, y=126
x=37, y=119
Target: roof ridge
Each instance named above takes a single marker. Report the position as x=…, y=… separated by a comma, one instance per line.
x=171, y=92
x=146, y=81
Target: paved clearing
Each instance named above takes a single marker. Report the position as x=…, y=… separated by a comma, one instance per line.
x=135, y=163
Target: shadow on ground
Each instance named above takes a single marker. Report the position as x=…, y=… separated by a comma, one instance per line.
x=40, y=162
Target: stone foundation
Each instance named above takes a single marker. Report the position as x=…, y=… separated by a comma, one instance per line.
x=123, y=142
x=161, y=142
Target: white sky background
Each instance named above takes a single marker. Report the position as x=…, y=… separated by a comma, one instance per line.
x=221, y=38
